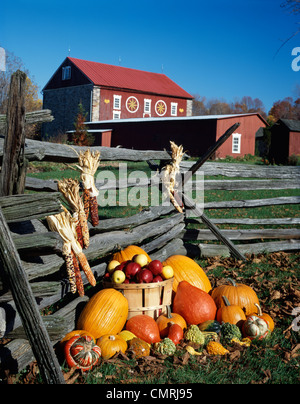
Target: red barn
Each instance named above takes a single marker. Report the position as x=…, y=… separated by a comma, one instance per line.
x=195, y=133
x=109, y=92
x=285, y=140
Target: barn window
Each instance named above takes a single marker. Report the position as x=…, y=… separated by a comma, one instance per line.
x=116, y=114
x=66, y=73
x=236, y=143
x=174, y=106
x=117, y=101
x=147, y=106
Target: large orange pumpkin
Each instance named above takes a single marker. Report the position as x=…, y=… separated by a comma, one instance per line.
x=144, y=327
x=105, y=313
x=238, y=294
x=128, y=253
x=193, y=304
x=186, y=269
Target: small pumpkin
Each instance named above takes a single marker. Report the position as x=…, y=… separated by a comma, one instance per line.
x=186, y=269
x=230, y=314
x=111, y=344
x=144, y=327
x=237, y=294
x=265, y=317
x=255, y=328
x=193, y=304
x=128, y=253
x=139, y=347
x=105, y=313
x=164, y=320
x=81, y=352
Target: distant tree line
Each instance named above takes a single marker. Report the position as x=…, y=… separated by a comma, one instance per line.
x=203, y=106
x=287, y=108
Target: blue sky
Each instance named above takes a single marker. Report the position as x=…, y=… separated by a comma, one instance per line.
x=217, y=49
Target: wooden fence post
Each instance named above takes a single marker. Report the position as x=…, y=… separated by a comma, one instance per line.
x=14, y=164
x=26, y=305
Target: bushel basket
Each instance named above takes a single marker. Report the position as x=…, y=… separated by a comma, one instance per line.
x=145, y=298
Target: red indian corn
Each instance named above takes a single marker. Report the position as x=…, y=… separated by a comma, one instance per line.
x=71, y=272
x=86, y=202
x=86, y=268
x=94, y=210
x=78, y=278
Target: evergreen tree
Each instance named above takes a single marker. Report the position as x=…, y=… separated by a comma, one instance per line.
x=81, y=136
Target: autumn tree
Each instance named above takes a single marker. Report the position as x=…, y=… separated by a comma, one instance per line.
x=32, y=100
x=247, y=105
x=199, y=107
x=81, y=136
x=285, y=109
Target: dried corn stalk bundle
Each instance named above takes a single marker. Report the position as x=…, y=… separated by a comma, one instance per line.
x=88, y=165
x=169, y=176
x=65, y=224
x=70, y=190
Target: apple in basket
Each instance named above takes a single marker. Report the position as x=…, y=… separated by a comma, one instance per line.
x=140, y=259
x=122, y=266
x=144, y=276
x=132, y=269
x=155, y=267
x=157, y=278
x=118, y=276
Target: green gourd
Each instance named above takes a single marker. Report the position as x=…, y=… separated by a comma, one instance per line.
x=211, y=326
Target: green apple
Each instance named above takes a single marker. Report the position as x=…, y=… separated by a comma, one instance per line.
x=118, y=276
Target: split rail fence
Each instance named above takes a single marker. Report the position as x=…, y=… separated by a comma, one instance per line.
x=29, y=246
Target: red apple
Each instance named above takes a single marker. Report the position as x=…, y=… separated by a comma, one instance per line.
x=155, y=267
x=126, y=281
x=145, y=276
x=122, y=266
x=131, y=269
x=157, y=278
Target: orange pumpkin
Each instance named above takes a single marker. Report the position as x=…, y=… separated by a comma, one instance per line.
x=186, y=269
x=164, y=320
x=110, y=344
x=265, y=317
x=237, y=294
x=230, y=314
x=128, y=253
x=105, y=313
x=193, y=304
x=144, y=327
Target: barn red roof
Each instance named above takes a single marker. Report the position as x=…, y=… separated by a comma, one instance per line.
x=122, y=77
